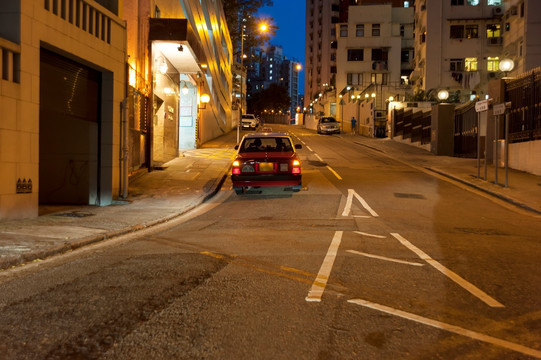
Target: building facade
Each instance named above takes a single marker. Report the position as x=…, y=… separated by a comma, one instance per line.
x=458, y=46
x=92, y=91
x=373, y=62
x=63, y=79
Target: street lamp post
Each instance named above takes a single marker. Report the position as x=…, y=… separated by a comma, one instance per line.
x=241, y=69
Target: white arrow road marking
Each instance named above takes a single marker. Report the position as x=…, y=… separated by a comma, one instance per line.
x=370, y=235
x=347, y=208
x=451, y=328
x=475, y=291
x=384, y=258
x=316, y=292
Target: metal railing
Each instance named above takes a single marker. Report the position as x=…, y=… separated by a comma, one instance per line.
x=524, y=93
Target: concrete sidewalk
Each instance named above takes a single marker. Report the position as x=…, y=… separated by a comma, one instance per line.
x=189, y=180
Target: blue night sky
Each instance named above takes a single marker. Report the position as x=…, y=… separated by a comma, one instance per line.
x=290, y=17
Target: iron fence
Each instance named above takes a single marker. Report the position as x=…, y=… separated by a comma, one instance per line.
x=465, y=137
x=524, y=93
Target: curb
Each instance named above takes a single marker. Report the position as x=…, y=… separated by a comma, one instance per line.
x=34, y=256
x=486, y=191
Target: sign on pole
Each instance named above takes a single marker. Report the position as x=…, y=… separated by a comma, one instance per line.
x=481, y=105
x=498, y=109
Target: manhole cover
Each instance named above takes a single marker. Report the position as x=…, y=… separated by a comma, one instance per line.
x=75, y=214
x=409, y=196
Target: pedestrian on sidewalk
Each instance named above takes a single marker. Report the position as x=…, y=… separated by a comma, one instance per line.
x=353, y=124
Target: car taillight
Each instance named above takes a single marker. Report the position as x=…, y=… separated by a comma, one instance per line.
x=236, y=168
x=296, y=167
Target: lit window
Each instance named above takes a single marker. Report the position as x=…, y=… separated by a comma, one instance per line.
x=494, y=2
x=473, y=2
x=406, y=4
x=472, y=32
x=493, y=31
x=470, y=64
x=493, y=63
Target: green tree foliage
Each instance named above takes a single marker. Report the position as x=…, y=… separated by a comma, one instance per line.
x=274, y=97
x=240, y=13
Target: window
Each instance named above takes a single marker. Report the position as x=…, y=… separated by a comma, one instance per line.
x=406, y=4
x=375, y=29
x=472, y=32
x=494, y=2
x=457, y=2
x=355, y=54
x=493, y=31
x=405, y=56
x=422, y=38
x=378, y=78
x=379, y=55
x=402, y=30
x=473, y=2
x=343, y=30
x=457, y=31
x=354, y=79
x=470, y=64
x=359, y=30
x=456, y=65
x=493, y=63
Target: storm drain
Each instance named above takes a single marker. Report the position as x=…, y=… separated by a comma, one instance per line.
x=75, y=214
x=409, y=196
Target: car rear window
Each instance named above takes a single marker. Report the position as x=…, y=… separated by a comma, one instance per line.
x=328, y=120
x=266, y=144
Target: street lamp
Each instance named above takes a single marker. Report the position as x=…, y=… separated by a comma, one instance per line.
x=262, y=27
x=506, y=65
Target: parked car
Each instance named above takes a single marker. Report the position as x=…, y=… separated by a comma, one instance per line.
x=249, y=121
x=328, y=125
x=266, y=160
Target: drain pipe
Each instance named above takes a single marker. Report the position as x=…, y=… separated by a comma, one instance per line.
x=124, y=149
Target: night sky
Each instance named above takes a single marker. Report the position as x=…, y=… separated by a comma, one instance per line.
x=290, y=17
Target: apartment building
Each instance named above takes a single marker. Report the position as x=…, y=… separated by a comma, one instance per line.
x=373, y=58
x=458, y=46
x=521, y=27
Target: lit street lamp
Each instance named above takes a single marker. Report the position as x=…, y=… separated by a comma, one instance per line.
x=262, y=27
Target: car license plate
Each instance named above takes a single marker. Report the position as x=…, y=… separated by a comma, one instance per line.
x=266, y=166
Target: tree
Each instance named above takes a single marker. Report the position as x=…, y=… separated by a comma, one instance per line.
x=274, y=97
x=242, y=13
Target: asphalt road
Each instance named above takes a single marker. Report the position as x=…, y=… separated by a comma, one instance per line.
x=371, y=260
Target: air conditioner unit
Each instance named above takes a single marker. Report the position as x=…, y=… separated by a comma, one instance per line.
x=497, y=11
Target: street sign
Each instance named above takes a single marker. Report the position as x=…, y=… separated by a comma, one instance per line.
x=481, y=105
x=498, y=109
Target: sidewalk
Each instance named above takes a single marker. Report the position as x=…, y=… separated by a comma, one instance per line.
x=189, y=180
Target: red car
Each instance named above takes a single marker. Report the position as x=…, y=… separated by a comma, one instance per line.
x=266, y=159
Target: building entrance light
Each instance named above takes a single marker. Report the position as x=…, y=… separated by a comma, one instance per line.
x=443, y=95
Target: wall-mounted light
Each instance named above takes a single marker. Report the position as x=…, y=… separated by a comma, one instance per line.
x=205, y=99
x=373, y=95
x=161, y=64
x=184, y=88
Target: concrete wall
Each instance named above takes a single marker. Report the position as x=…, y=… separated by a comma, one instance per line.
x=20, y=102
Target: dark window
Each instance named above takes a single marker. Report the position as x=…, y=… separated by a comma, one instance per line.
x=375, y=29
x=343, y=30
x=457, y=31
x=405, y=56
x=355, y=54
x=457, y=2
x=359, y=30
x=456, y=65
x=378, y=55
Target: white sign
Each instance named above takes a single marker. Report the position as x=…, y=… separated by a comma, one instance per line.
x=481, y=106
x=498, y=109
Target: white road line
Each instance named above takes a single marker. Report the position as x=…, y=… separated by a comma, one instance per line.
x=384, y=258
x=367, y=234
x=316, y=292
x=308, y=147
x=349, y=201
x=362, y=216
x=319, y=158
x=475, y=291
x=451, y=328
x=334, y=172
